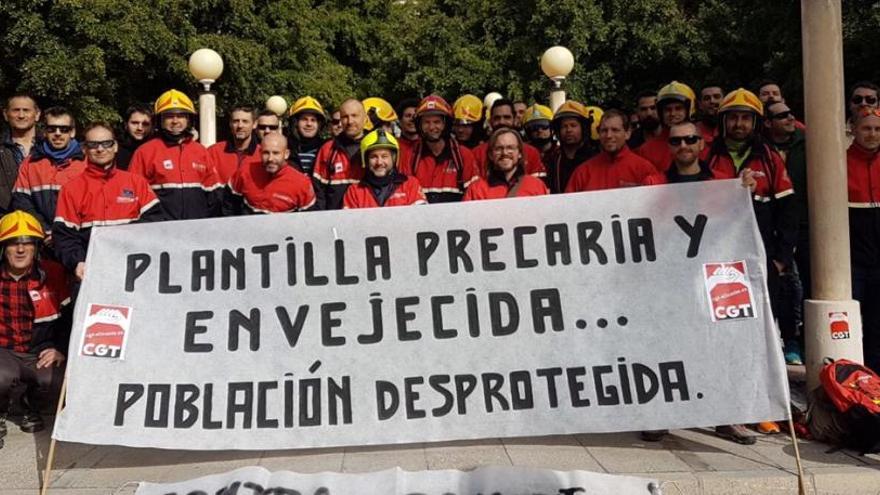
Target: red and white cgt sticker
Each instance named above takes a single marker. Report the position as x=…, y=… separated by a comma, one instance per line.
x=838, y=323
x=729, y=291
x=106, y=330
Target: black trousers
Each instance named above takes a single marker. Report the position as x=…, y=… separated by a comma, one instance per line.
x=866, y=290
x=20, y=368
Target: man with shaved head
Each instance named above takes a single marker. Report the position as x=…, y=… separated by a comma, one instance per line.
x=270, y=185
x=338, y=164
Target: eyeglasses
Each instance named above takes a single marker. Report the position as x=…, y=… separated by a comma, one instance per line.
x=63, y=129
x=504, y=149
x=539, y=127
x=267, y=127
x=93, y=145
x=677, y=140
x=781, y=115
x=869, y=100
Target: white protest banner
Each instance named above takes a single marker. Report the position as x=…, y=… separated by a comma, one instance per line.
x=495, y=480
x=632, y=309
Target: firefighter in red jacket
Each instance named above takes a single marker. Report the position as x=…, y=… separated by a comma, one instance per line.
x=572, y=124
x=503, y=114
x=242, y=147
x=337, y=165
x=675, y=104
x=443, y=167
x=863, y=180
x=53, y=162
x=382, y=185
x=738, y=149
x=468, y=125
x=176, y=166
x=506, y=177
x=102, y=195
x=271, y=185
x=615, y=166
x=32, y=295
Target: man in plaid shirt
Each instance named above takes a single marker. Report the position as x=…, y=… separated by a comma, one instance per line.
x=32, y=294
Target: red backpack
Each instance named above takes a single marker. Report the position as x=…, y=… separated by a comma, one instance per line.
x=855, y=392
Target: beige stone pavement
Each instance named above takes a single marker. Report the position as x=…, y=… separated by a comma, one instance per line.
x=690, y=461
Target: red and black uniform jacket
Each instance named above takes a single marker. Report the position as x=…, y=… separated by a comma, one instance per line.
x=863, y=185
x=560, y=167
x=30, y=308
x=531, y=155
x=496, y=186
x=182, y=175
x=99, y=197
x=444, y=178
x=773, y=199
x=335, y=170
x=38, y=182
x=253, y=190
x=656, y=150
x=709, y=134
x=604, y=171
x=402, y=190
x=227, y=159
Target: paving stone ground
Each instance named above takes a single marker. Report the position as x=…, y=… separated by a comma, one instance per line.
x=692, y=461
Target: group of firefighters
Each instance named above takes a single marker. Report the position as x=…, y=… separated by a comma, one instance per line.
x=369, y=154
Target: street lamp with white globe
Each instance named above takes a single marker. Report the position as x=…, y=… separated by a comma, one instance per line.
x=557, y=63
x=206, y=66
x=276, y=104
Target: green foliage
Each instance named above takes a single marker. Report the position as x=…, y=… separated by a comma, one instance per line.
x=99, y=56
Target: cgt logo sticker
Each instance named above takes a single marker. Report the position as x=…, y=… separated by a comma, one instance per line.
x=838, y=323
x=106, y=330
x=729, y=291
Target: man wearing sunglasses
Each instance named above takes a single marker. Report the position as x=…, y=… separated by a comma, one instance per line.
x=783, y=136
x=863, y=95
x=769, y=92
x=178, y=167
x=101, y=195
x=55, y=160
x=686, y=144
x=676, y=103
x=267, y=121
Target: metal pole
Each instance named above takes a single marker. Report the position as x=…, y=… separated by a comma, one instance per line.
x=557, y=94
x=832, y=319
x=207, y=118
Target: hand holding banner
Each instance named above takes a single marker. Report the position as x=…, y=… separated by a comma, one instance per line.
x=620, y=310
